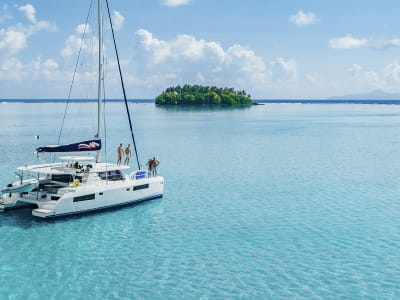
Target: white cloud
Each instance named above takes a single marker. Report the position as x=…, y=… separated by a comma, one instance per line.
x=50, y=64
x=386, y=78
x=183, y=46
x=158, y=49
x=72, y=45
x=187, y=49
x=11, y=64
x=15, y=38
x=30, y=14
x=12, y=41
x=289, y=67
x=347, y=42
x=195, y=60
x=381, y=43
x=83, y=28
x=14, y=69
x=118, y=20
x=303, y=18
x=173, y=3
x=187, y=59
x=74, y=42
x=29, y=11
x=392, y=72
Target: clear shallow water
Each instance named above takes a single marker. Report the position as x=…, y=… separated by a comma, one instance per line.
x=272, y=202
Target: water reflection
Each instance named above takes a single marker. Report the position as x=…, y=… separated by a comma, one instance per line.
x=200, y=108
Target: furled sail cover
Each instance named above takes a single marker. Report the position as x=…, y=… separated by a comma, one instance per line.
x=91, y=145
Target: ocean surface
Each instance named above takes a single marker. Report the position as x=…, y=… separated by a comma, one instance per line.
x=276, y=201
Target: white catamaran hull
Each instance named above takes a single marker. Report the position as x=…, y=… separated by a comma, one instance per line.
x=73, y=200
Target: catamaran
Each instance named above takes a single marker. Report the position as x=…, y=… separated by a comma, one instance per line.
x=81, y=183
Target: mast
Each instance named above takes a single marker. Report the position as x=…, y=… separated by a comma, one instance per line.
x=100, y=79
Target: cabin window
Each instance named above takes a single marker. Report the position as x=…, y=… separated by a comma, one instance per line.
x=113, y=175
x=141, y=187
x=84, y=198
x=101, y=194
x=66, y=178
x=128, y=189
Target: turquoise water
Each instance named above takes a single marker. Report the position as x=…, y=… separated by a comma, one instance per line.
x=281, y=201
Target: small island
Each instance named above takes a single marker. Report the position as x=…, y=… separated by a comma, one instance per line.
x=203, y=95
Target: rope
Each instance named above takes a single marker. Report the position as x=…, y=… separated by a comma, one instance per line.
x=104, y=120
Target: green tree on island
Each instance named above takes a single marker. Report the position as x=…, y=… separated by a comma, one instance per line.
x=203, y=95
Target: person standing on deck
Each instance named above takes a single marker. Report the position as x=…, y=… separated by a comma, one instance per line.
x=120, y=154
x=154, y=164
x=127, y=155
x=149, y=166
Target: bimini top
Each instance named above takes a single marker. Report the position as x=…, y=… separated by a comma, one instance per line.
x=63, y=168
x=85, y=146
x=76, y=158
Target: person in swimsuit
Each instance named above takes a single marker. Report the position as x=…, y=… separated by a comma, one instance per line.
x=120, y=154
x=127, y=154
x=149, y=165
x=154, y=165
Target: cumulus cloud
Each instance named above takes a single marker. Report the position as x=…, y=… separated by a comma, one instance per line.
x=12, y=41
x=381, y=43
x=29, y=11
x=38, y=69
x=182, y=47
x=194, y=60
x=74, y=42
x=30, y=14
x=187, y=59
x=10, y=65
x=83, y=28
x=303, y=18
x=392, y=72
x=288, y=67
x=173, y=3
x=347, y=42
x=14, y=38
x=385, y=78
x=118, y=20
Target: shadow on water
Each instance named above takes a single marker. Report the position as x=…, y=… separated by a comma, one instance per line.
x=19, y=218
x=200, y=108
x=23, y=218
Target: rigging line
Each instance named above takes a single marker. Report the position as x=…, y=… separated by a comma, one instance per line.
x=76, y=67
x=104, y=117
x=123, y=87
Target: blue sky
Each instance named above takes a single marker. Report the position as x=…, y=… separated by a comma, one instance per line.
x=283, y=49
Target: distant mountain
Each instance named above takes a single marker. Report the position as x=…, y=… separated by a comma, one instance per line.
x=374, y=95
